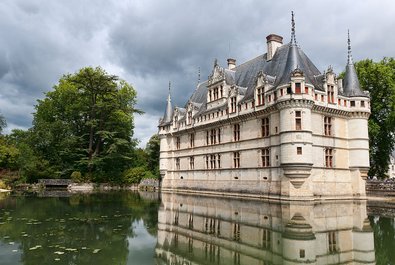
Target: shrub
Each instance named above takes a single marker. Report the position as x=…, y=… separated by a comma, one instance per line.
x=135, y=175
x=76, y=176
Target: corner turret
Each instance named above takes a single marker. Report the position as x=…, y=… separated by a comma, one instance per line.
x=351, y=87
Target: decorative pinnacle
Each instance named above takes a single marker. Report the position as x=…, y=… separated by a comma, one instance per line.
x=198, y=75
x=293, y=37
x=168, y=97
x=349, y=57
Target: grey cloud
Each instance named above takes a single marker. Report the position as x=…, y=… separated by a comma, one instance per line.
x=149, y=43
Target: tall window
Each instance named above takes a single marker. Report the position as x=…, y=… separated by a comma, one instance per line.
x=207, y=161
x=221, y=91
x=236, y=159
x=265, y=127
x=212, y=161
x=207, y=138
x=178, y=143
x=219, y=135
x=332, y=242
x=328, y=157
x=331, y=97
x=306, y=90
x=191, y=162
x=192, y=140
x=327, y=125
x=260, y=95
x=189, y=117
x=236, y=132
x=298, y=89
x=236, y=232
x=266, y=239
x=298, y=120
x=216, y=93
x=210, y=98
x=265, y=155
x=213, y=137
x=232, y=104
x=219, y=160
x=177, y=163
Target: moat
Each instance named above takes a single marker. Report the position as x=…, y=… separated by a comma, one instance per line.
x=151, y=228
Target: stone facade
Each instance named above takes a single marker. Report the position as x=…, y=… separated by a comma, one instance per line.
x=272, y=127
x=207, y=230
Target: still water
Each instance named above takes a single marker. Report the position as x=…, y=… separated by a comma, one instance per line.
x=141, y=228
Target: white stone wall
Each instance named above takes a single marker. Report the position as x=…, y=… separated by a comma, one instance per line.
x=348, y=140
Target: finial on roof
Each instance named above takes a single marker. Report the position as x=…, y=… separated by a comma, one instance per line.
x=349, y=58
x=198, y=75
x=167, y=117
x=293, y=37
x=215, y=62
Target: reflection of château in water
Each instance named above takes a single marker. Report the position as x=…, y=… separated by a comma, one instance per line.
x=205, y=230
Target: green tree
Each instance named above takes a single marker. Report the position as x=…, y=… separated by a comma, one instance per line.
x=86, y=124
x=379, y=79
x=152, y=149
x=3, y=123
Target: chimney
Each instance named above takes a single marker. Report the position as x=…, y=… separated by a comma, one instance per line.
x=231, y=63
x=273, y=42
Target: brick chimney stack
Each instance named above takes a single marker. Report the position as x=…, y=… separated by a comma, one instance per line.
x=231, y=63
x=273, y=42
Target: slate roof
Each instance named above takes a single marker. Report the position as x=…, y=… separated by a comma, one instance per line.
x=278, y=71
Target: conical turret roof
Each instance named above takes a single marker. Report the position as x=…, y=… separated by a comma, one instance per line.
x=351, y=87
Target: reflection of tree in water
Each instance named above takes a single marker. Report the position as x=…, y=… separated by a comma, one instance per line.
x=384, y=239
x=82, y=229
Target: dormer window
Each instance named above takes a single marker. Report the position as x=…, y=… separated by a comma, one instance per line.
x=298, y=89
x=260, y=96
x=232, y=104
x=189, y=117
x=331, y=97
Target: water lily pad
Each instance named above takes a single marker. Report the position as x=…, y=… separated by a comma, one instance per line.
x=36, y=247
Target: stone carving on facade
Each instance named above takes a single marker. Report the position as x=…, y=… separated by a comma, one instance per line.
x=218, y=74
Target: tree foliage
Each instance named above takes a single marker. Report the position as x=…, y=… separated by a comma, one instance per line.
x=3, y=123
x=86, y=124
x=153, y=150
x=379, y=79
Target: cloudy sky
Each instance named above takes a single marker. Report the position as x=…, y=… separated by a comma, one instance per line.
x=148, y=43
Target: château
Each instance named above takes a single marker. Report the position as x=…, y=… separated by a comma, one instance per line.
x=272, y=127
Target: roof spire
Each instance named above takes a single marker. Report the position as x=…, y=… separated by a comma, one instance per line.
x=349, y=57
x=293, y=37
x=167, y=117
x=199, y=75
